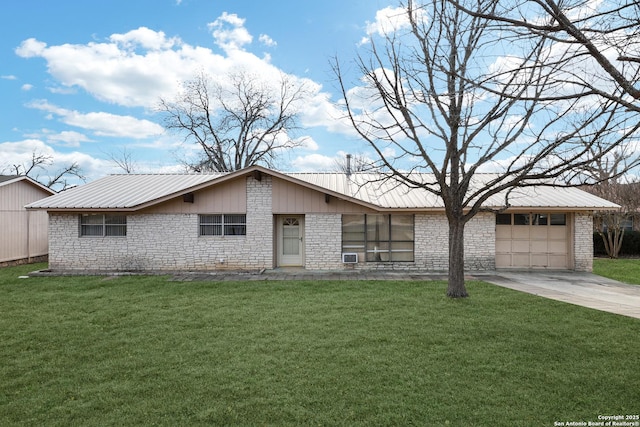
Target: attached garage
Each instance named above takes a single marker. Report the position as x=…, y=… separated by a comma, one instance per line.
x=533, y=240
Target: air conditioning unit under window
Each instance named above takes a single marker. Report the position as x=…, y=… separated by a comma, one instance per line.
x=350, y=258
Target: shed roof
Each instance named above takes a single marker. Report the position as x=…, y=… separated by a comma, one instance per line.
x=11, y=179
x=133, y=192
x=4, y=178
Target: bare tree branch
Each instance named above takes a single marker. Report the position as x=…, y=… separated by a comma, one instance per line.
x=596, y=30
x=60, y=178
x=474, y=87
x=238, y=124
x=123, y=160
x=41, y=163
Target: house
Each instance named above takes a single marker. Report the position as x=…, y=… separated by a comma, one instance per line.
x=627, y=195
x=23, y=233
x=258, y=218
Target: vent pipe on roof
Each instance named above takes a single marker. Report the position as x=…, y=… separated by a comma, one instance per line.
x=348, y=164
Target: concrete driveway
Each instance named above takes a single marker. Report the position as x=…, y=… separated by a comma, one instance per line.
x=578, y=288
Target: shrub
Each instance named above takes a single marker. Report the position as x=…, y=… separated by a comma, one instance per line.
x=630, y=244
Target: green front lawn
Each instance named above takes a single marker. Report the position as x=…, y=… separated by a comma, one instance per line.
x=148, y=351
x=624, y=270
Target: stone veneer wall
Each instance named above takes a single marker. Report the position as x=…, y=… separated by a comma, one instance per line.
x=324, y=239
x=431, y=245
x=583, y=241
x=480, y=242
x=432, y=242
x=168, y=241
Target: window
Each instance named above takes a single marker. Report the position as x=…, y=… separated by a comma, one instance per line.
x=223, y=225
x=520, y=219
x=626, y=224
x=103, y=225
x=503, y=219
x=558, y=219
x=539, y=219
x=531, y=219
x=380, y=237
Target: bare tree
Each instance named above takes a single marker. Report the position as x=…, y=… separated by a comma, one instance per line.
x=464, y=94
x=240, y=123
x=123, y=160
x=40, y=164
x=610, y=185
x=610, y=224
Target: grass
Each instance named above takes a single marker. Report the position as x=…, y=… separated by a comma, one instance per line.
x=149, y=351
x=624, y=270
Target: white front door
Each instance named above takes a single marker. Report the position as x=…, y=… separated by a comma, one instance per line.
x=291, y=240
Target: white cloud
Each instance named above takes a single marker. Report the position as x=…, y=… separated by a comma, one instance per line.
x=102, y=124
x=314, y=163
x=137, y=68
x=145, y=38
x=308, y=143
x=31, y=48
x=63, y=90
x=68, y=138
x=387, y=21
x=267, y=41
x=229, y=32
x=9, y=77
x=26, y=87
x=320, y=111
x=20, y=151
x=132, y=69
x=64, y=138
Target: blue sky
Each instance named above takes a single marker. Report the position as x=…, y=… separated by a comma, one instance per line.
x=79, y=80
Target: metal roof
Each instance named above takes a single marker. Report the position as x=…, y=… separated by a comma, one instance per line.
x=131, y=192
x=391, y=194
x=372, y=188
x=123, y=191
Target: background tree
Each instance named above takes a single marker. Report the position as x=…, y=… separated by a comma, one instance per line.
x=38, y=168
x=458, y=92
x=241, y=122
x=610, y=225
x=623, y=190
x=123, y=160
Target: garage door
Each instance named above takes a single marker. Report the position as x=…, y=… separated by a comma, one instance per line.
x=532, y=240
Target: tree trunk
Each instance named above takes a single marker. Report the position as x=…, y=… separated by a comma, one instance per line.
x=612, y=241
x=456, y=288
x=618, y=242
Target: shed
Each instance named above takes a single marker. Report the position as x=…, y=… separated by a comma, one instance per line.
x=23, y=233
